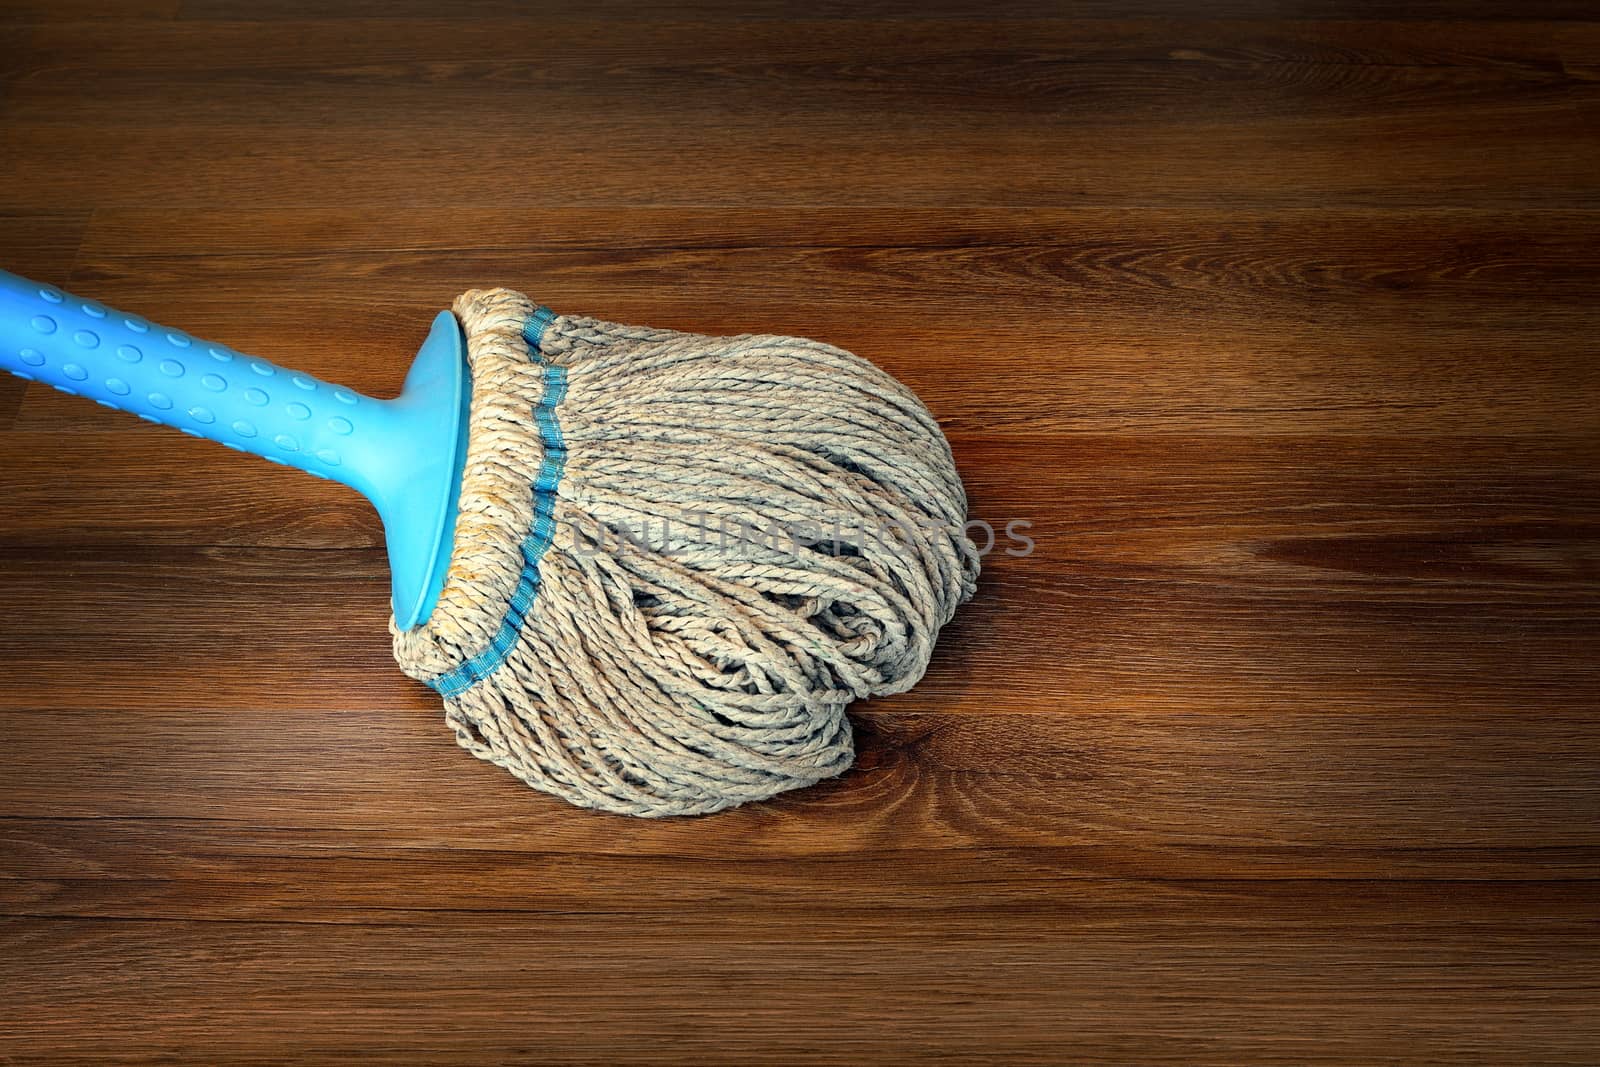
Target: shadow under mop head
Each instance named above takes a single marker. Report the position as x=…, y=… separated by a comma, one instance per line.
x=678, y=558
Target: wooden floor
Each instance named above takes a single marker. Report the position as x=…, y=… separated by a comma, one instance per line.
x=1281, y=326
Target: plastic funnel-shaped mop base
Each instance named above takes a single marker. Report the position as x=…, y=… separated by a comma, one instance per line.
x=416, y=478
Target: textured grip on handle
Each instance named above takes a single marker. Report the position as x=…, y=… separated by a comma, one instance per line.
x=119, y=360
x=405, y=455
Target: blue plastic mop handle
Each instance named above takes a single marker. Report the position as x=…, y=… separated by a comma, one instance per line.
x=404, y=455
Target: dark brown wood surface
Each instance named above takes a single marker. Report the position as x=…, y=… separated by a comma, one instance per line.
x=1281, y=325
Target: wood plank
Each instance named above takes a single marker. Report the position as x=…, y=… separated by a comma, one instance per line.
x=118, y=236
x=1094, y=320
x=1110, y=73
x=147, y=485
x=1089, y=644
x=833, y=994
x=1389, y=574
x=27, y=13
x=1119, y=792
x=224, y=868
x=969, y=12
x=905, y=112
x=1547, y=155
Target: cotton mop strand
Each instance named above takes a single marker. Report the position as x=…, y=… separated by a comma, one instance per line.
x=645, y=570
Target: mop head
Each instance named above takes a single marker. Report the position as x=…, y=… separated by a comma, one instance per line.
x=678, y=558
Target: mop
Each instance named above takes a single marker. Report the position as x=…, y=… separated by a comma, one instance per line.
x=645, y=570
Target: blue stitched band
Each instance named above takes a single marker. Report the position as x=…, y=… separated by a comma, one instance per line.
x=465, y=675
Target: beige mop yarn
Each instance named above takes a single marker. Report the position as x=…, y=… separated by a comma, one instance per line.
x=678, y=558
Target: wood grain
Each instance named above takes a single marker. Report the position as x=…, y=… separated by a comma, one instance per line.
x=1277, y=328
